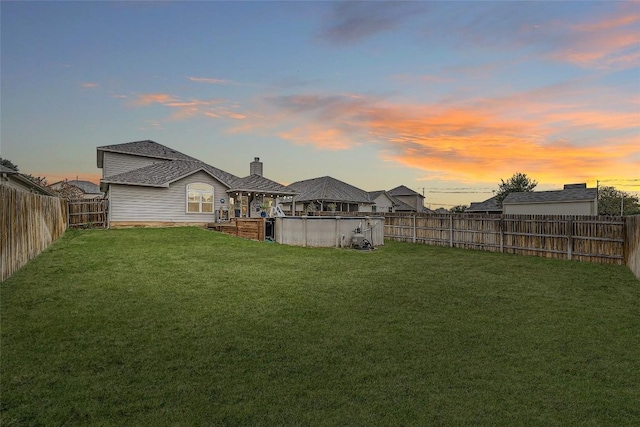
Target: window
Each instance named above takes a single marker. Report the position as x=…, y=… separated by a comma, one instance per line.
x=199, y=198
x=374, y=208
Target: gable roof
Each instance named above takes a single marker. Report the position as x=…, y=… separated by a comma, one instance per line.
x=164, y=173
x=568, y=195
x=146, y=148
x=489, y=205
x=403, y=190
x=329, y=189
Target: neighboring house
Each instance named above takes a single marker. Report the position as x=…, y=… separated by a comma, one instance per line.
x=149, y=184
x=383, y=202
x=15, y=179
x=320, y=194
x=489, y=206
x=574, y=199
x=412, y=200
x=81, y=189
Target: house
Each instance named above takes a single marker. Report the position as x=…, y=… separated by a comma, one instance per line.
x=574, y=199
x=149, y=184
x=489, y=206
x=14, y=179
x=412, y=200
x=383, y=202
x=327, y=194
x=78, y=188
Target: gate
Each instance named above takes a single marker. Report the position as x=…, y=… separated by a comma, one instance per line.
x=88, y=214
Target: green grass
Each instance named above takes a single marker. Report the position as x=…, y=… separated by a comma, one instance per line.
x=189, y=327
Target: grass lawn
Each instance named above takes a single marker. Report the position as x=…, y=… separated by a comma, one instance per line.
x=189, y=327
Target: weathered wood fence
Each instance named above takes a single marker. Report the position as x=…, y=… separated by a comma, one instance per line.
x=632, y=243
x=28, y=224
x=88, y=213
x=603, y=239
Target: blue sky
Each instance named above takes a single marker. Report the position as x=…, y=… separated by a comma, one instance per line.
x=443, y=97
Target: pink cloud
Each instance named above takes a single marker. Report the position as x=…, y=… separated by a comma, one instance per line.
x=608, y=42
x=90, y=85
x=153, y=98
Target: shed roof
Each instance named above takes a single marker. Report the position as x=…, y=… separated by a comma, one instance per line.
x=329, y=189
x=568, y=195
x=17, y=176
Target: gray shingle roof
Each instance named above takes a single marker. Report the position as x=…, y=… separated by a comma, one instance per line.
x=146, y=148
x=87, y=187
x=403, y=190
x=569, y=195
x=164, y=173
x=374, y=194
x=329, y=189
x=402, y=206
x=489, y=205
x=260, y=184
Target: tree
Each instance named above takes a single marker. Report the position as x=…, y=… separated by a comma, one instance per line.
x=458, y=209
x=518, y=183
x=9, y=164
x=612, y=202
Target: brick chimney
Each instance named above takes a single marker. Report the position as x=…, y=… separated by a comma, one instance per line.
x=255, y=168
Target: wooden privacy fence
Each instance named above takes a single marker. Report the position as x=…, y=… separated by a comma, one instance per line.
x=28, y=224
x=603, y=239
x=88, y=213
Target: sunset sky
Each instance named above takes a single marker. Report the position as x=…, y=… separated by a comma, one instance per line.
x=447, y=98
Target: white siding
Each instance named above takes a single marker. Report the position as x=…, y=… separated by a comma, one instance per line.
x=557, y=208
x=115, y=163
x=150, y=204
x=383, y=203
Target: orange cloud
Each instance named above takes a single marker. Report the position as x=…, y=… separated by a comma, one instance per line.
x=479, y=140
x=315, y=135
x=184, y=109
x=90, y=85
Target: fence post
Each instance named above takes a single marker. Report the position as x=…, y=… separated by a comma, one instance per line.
x=451, y=230
x=501, y=235
x=569, y=238
x=414, y=228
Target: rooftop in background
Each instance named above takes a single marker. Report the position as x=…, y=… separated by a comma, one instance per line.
x=568, y=194
x=146, y=148
x=329, y=189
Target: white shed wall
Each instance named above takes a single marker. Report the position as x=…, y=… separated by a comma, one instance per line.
x=558, y=208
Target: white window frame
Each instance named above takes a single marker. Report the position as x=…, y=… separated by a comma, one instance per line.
x=200, y=192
